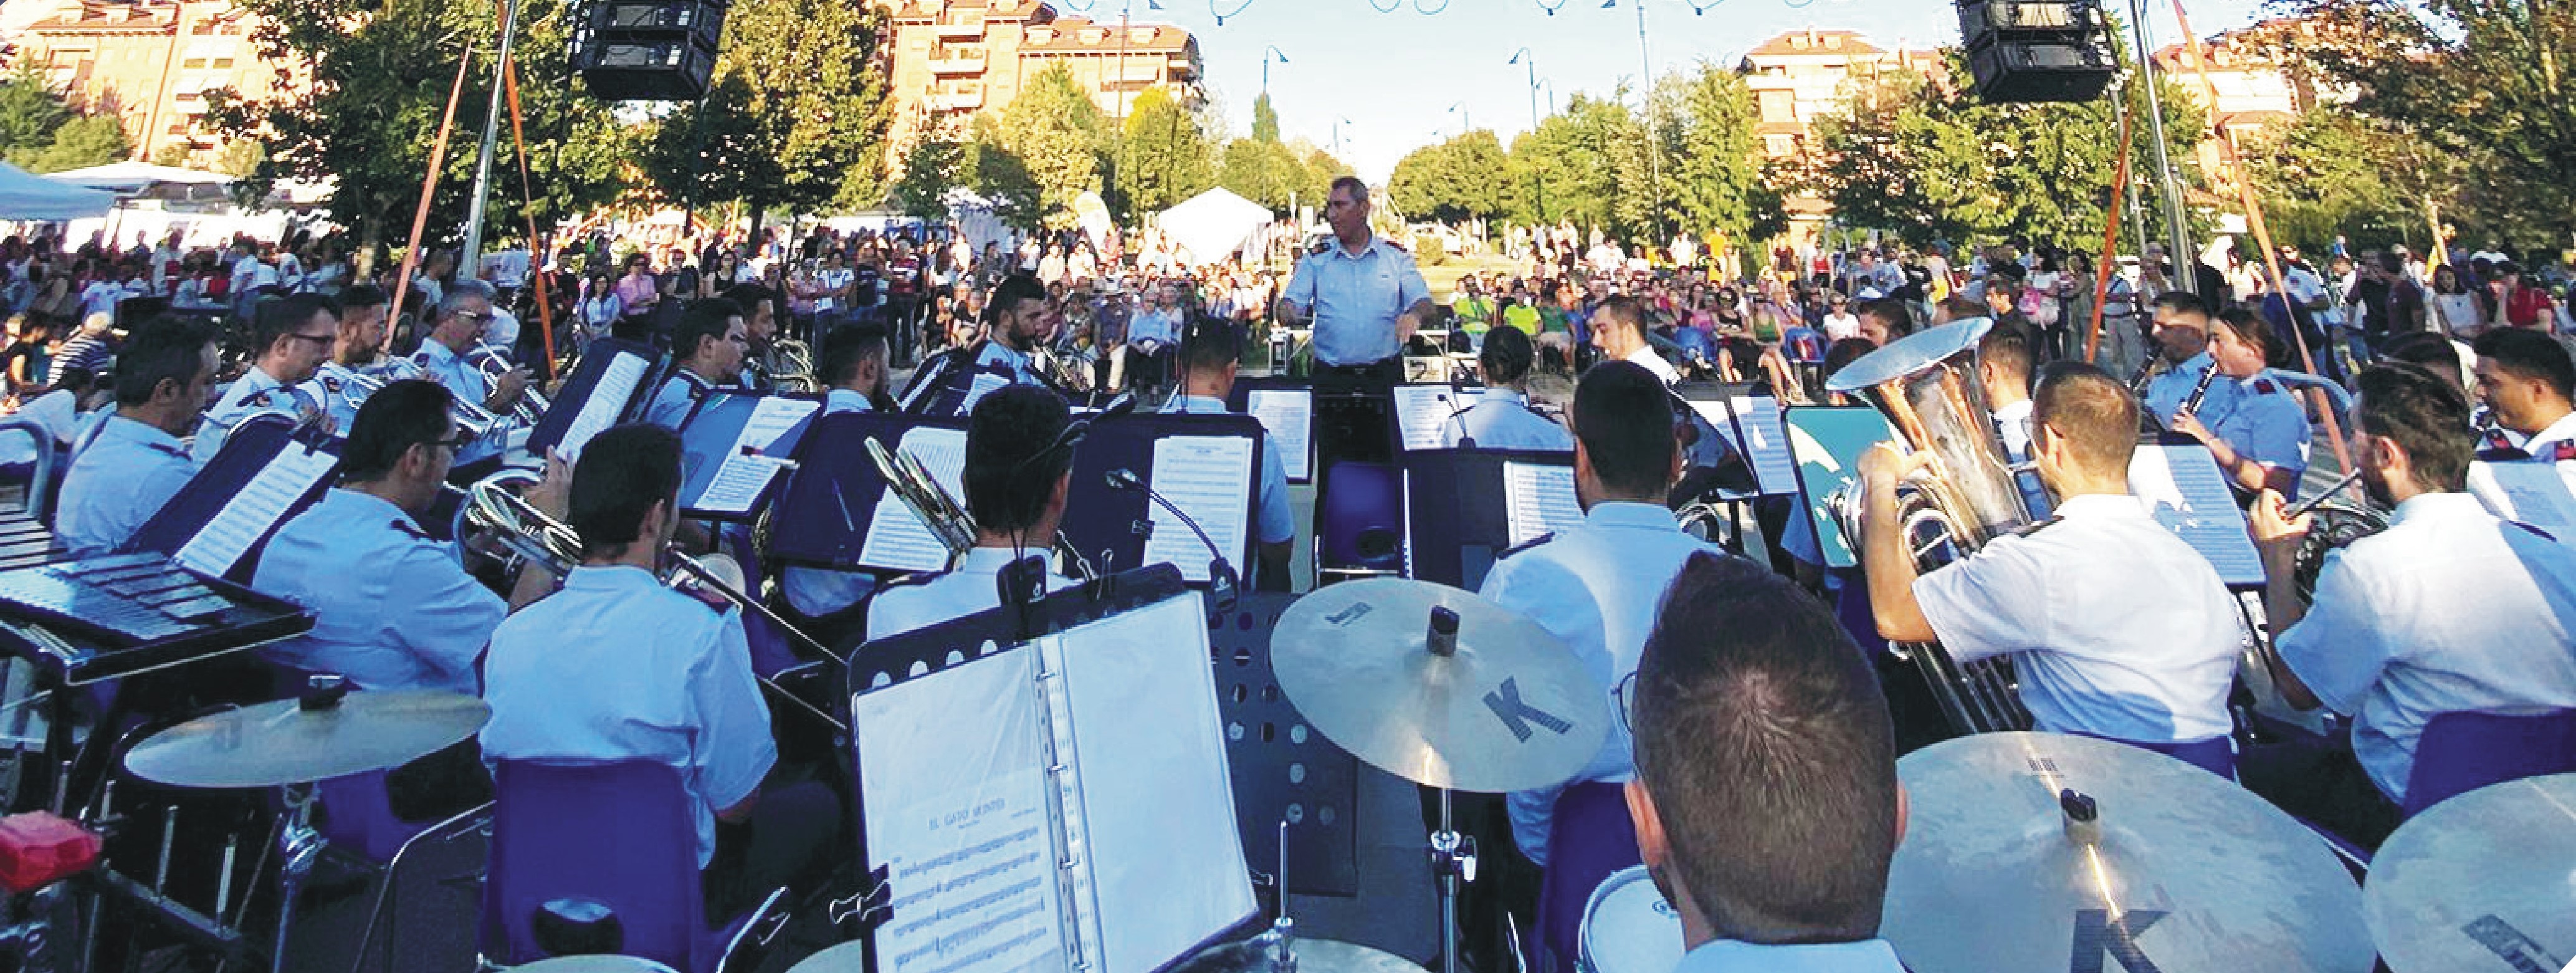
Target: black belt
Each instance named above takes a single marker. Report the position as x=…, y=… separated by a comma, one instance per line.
x=1390, y=368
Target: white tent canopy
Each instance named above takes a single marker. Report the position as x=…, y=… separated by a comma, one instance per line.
x=26, y=196
x=1214, y=224
x=134, y=177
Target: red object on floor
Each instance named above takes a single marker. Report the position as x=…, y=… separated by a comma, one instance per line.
x=38, y=849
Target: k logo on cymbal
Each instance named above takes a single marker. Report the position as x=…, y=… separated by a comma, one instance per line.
x=1517, y=716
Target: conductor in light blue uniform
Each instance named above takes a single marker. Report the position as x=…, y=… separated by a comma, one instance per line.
x=392, y=606
x=1363, y=295
x=1595, y=586
x=1501, y=418
x=131, y=462
x=1211, y=353
x=853, y=363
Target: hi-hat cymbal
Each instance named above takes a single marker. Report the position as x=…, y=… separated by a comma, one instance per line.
x=275, y=744
x=2483, y=881
x=1510, y=709
x=1313, y=956
x=2179, y=867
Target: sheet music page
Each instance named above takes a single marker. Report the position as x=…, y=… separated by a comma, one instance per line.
x=1538, y=498
x=1421, y=411
x=983, y=385
x=1166, y=863
x=255, y=511
x=1210, y=478
x=616, y=385
x=2184, y=491
x=1766, y=443
x=2528, y=492
x=746, y=473
x=1288, y=414
x=953, y=769
x=896, y=539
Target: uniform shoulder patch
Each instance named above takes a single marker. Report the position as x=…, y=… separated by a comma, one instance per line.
x=257, y=400
x=2265, y=386
x=2563, y=450
x=1317, y=248
x=1526, y=545
x=407, y=529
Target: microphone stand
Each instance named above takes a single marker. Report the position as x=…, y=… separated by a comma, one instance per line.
x=1223, y=582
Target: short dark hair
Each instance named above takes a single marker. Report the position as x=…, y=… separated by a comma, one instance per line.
x=277, y=317
x=845, y=348
x=1507, y=355
x=1623, y=417
x=2426, y=415
x=622, y=473
x=1841, y=354
x=2097, y=415
x=1899, y=319
x=356, y=296
x=164, y=348
x=1354, y=185
x=2530, y=354
x=1010, y=292
x=2008, y=351
x=394, y=419
x=1010, y=467
x=1766, y=745
x=708, y=318
x=1210, y=343
x=1625, y=311
x=2183, y=302
x=1961, y=307
x=2252, y=330
x=750, y=295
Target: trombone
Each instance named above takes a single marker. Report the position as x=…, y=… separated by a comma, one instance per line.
x=946, y=520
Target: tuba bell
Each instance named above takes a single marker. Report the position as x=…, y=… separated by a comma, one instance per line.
x=1927, y=386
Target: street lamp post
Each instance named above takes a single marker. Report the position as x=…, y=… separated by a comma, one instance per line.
x=1538, y=186
x=1338, y=122
x=470, y=263
x=1466, y=118
x=1646, y=105
x=1269, y=54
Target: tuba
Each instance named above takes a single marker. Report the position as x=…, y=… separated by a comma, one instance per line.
x=1927, y=386
x=947, y=520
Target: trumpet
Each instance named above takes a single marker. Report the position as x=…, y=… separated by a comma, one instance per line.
x=494, y=361
x=471, y=417
x=942, y=515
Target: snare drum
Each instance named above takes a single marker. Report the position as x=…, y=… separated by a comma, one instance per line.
x=1629, y=928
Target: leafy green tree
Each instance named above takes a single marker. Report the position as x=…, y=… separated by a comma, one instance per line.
x=87, y=140
x=929, y=171
x=1001, y=177
x=1573, y=161
x=1711, y=160
x=1468, y=177
x=794, y=118
x=1265, y=119
x=381, y=72
x=2335, y=172
x=1165, y=157
x=1058, y=133
x=39, y=132
x=1262, y=171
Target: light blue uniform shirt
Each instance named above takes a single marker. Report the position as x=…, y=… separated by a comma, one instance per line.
x=2166, y=392
x=957, y=370
x=1501, y=419
x=440, y=364
x=969, y=589
x=253, y=393
x=392, y=607
x=1274, y=525
x=2263, y=420
x=331, y=388
x=672, y=402
x=2448, y=610
x=1730, y=956
x=1597, y=587
x=1354, y=300
x=117, y=481
x=617, y=667
x=817, y=592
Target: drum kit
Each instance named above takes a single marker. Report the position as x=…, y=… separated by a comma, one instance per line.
x=2480, y=882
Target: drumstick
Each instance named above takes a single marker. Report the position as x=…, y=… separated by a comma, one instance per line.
x=2302, y=509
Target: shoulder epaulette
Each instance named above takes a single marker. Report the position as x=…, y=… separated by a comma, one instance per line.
x=331, y=384
x=2036, y=528
x=405, y=528
x=2265, y=386
x=168, y=449
x=2544, y=535
x=257, y=400
x=1526, y=545
x=714, y=602
x=2563, y=450
x=914, y=579
x=1317, y=248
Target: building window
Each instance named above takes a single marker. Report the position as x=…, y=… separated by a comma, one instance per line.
x=179, y=129
x=222, y=63
x=193, y=63
x=1779, y=144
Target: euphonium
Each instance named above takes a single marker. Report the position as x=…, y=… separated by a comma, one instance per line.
x=492, y=507
x=941, y=514
x=468, y=416
x=1928, y=387
x=793, y=362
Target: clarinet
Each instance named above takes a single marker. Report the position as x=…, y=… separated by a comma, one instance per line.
x=2146, y=371
x=2191, y=403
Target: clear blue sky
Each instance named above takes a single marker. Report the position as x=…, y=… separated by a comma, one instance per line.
x=1395, y=75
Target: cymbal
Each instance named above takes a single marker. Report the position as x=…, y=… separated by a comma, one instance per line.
x=2480, y=881
x=1313, y=956
x=1510, y=709
x=2186, y=869
x=847, y=957
x=592, y=964
x=280, y=743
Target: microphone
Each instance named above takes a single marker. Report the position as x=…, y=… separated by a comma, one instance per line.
x=1222, y=580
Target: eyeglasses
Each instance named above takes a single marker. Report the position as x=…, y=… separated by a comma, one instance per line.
x=460, y=440
x=477, y=316
x=1623, y=698
x=324, y=340
x=739, y=339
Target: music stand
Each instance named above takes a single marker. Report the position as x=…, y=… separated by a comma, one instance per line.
x=1827, y=441
x=830, y=504
x=1286, y=408
x=736, y=448
x=269, y=470
x=615, y=381
x=1462, y=507
x=1121, y=522
x=1282, y=769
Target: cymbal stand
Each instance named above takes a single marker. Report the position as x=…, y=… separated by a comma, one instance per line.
x=1279, y=942
x=299, y=845
x=1453, y=860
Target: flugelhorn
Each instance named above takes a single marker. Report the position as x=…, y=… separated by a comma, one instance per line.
x=494, y=361
x=471, y=417
x=492, y=507
x=946, y=519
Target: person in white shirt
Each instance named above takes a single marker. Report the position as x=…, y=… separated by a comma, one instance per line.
x=1840, y=323
x=2528, y=383
x=1501, y=417
x=2118, y=629
x=1619, y=331
x=2003, y=368
x=1019, y=468
x=2448, y=610
x=1596, y=585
